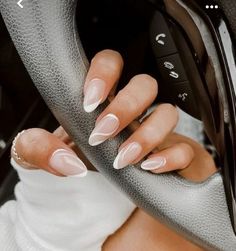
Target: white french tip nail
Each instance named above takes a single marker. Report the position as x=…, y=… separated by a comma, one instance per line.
x=67, y=163
x=92, y=107
x=81, y=175
x=105, y=128
x=127, y=155
x=94, y=94
x=153, y=163
x=94, y=142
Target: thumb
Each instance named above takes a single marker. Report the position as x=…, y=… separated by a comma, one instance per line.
x=38, y=149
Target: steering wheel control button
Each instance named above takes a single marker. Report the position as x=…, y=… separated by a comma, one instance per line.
x=171, y=69
x=184, y=98
x=161, y=39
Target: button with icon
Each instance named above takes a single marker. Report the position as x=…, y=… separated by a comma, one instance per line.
x=183, y=96
x=171, y=69
x=160, y=39
x=160, y=36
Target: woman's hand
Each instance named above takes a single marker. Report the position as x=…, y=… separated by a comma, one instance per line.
x=53, y=152
x=153, y=139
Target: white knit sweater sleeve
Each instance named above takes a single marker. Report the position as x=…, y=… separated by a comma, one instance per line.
x=67, y=214
x=55, y=213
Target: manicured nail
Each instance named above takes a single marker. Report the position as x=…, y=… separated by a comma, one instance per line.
x=94, y=94
x=67, y=163
x=153, y=163
x=127, y=155
x=104, y=129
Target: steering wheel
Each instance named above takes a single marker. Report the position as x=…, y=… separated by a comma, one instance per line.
x=45, y=35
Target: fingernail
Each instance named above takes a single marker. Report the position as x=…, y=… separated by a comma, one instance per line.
x=67, y=163
x=127, y=155
x=94, y=94
x=153, y=163
x=104, y=129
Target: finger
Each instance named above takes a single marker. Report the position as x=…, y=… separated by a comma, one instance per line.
x=129, y=103
x=102, y=76
x=37, y=148
x=200, y=168
x=151, y=133
x=176, y=157
x=64, y=137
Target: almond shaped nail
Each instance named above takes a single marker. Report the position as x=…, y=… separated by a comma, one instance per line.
x=67, y=163
x=94, y=94
x=127, y=155
x=153, y=163
x=104, y=129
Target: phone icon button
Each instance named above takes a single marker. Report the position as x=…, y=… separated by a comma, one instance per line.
x=171, y=69
x=159, y=38
x=160, y=35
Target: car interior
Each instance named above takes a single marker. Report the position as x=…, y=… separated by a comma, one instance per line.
x=101, y=24
x=197, y=63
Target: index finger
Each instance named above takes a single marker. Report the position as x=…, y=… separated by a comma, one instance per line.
x=103, y=75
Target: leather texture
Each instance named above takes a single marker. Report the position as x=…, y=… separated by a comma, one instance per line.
x=44, y=33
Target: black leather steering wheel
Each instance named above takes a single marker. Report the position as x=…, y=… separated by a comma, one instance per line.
x=45, y=35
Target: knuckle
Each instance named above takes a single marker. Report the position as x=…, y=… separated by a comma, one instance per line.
x=151, y=137
x=32, y=147
x=171, y=110
x=26, y=138
x=30, y=137
x=186, y=148
x=185, y=154
x=146, y=80
x=126, y=99
x=109, y=58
